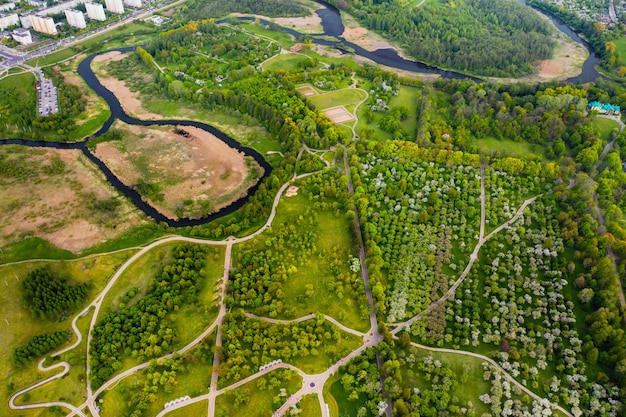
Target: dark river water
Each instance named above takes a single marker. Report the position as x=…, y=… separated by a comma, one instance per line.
x=333, y=26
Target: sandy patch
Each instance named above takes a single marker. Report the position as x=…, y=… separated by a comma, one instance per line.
x=307, y=24
x=110, y=56
x=196, y=174
x=131, y=103
x=291, y=191
x=548, y=68
x=56, y=207
x=367, y=39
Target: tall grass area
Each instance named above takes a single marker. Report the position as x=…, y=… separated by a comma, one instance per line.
x=507, y=147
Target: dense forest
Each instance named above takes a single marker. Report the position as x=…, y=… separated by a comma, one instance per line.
x=483, y=37
x=217, y=8
x=47, y=296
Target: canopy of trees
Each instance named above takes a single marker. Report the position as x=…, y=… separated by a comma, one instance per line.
x=486, y=37
x=47, y=296
x=38, y=346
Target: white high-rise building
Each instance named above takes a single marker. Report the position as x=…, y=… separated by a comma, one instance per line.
x=95, y=11
x=75, y=18
x=8, y=20
x=133, y=3
x=43, y=24
x=115, y=6
x=22, y=36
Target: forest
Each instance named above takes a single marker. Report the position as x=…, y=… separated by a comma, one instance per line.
x=482, y=37
x=216, y=8
x=139, y=328
x=48, y=296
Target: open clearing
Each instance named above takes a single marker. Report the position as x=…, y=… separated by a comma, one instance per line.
x=343, y=97
x=339, y=114
x=287, y=62
x=181, y=176
x=307, y=90
x=53, y=194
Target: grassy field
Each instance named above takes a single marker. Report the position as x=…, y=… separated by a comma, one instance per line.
x=198, y=409
x=509, y=148
x=287, y=62
x=408, y=97
x=603, y=127
x=310, y=406
x=251, y=401
x=285, y=40
x=343, y=97
x=71, y=387
x=337, y=399
x=334, y=239
x=21, y=326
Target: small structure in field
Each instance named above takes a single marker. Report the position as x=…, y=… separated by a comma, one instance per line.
x=604, y=108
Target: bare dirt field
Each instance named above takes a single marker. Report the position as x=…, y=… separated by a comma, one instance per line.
x=307, y=24
x=188, y=175
x=58, y=205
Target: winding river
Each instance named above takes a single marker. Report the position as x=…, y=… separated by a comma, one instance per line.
x=333, y=26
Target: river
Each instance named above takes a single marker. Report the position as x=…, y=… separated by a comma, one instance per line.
x=333, y=26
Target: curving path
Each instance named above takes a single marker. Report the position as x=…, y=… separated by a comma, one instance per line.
x=473, y=257
x=499, y=368
x=305, y=318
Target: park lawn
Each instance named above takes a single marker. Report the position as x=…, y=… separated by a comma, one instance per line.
x=22, y=327
x=490, y=145
x=139, y=275
x=620, y=49
x=53, y=58
x=24, y=84
x=250, y=401
x=334, y=238
x=337, y=398
x=191, y=320
x=287, y=62
x=199, y=409
x=32, y=248
x=193, y=381
x=464, y=391
x=409, y=97
x=342, y=97
x=310, y=406
x=71, y=387
x=604, y=126
x=285, y=40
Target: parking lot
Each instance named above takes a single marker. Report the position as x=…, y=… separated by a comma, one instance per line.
x=47, y=98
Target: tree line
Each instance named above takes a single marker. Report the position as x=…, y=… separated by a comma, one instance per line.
x=39, y=345
x=47, y=295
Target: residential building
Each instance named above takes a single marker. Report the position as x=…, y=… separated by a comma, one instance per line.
x=115, y=6
x=133, y=3
x=25, y=21
x=43, y=24
x=95, y=11
x=75, y=18
x=6, y=7
x=22, y=36
x=8, y=20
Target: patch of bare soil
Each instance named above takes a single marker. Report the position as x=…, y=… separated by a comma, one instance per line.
x=291, y=191
x=367, y=39
x=307, y=24
x=548, y=68
x=196, y=173
x=110, y=56
x=131, y=103
x=59, y=207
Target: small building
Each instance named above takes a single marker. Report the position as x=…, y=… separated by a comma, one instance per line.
x=75, y=18
x=22, y=36
x=8, y=20
x=604, y=108
x=133, y=3
x=296, y=48
x=95, y=11
x=115, y=6
x=7, y=6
